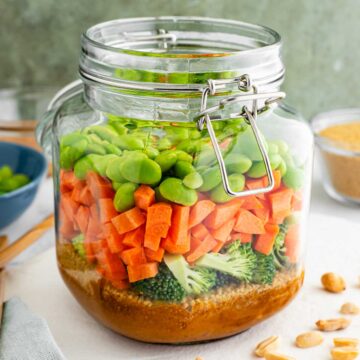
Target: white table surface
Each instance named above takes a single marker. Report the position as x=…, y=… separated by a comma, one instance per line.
x=333, y=245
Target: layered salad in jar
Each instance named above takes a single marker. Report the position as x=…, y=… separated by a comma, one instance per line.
x=150, y=243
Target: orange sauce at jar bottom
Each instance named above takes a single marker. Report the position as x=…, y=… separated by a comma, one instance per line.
x=224, y=312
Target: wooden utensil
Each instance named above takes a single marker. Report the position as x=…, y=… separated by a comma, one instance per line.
x=18, y=126
x=3, y=243
x=15, y=248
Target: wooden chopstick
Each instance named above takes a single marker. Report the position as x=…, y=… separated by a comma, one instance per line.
x=15, y=248
x=18, y=126
x=3, y=243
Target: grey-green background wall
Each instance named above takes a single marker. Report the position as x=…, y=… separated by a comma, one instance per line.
x=39, y=40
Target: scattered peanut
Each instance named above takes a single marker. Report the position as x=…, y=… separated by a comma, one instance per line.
x=333, y=282
x=309, y=339
x=346, y=342
x=269, y=344
x=333, y=324
x=198, y=358
x=272, y=355
x=344, y=353
x=277, y=356
x=350, y=309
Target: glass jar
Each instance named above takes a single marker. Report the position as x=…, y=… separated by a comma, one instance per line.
x=181, y=184
x=336, y=135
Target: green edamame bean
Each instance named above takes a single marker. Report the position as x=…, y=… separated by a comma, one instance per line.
x=100, y=163
x=103, y=132
x=5, y=172
x=128, y=142
x=119, y=128
x=289, y=160
x=151, y=152
x=282, y=167
x=194, y=134
x=14, y=182
x=182, y=155
x=275, y=160
x=201, y=169
x=189, y=146
x=70, y=154
x=116, y=185
x=166, y=159
x=134, y=154
x=164, y=144
x=71, y=139
x=124, y=197
x=94, y=139
x=66, y=160
x=83, y=166
x=183, y=168
x=294, y=178
x=236, y=182
x=211, y=178
x=113, y=170
x=177, y=133
x=283, y=147
x=111, y=149
x=273, y=148
x=237, y=163
x=205, y=157
x=234, y=126
x=246, y=144
x=258, y=169
x=124, y=141
x=193, y=180
x=141, y=171
x=174, y=190
x=20, y=179
x=218, y=125
x=93, y=148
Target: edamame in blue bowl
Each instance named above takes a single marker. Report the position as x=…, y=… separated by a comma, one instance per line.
x=24, y=162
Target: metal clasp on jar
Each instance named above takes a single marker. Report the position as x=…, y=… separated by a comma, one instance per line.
x=244, y=85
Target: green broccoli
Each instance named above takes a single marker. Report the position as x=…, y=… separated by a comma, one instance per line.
x=265, y=269
x=78, y=244
x=223, y=279
x=163, y=286
x=238, y=261
x=195, y=280
x=278, y=253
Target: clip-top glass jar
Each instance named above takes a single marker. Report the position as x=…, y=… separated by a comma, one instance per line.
x=181, y=183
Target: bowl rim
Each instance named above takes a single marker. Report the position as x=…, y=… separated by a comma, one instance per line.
x=35, y=181
x=343, y=115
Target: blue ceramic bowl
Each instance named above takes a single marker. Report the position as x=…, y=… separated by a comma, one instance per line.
x=25, y=160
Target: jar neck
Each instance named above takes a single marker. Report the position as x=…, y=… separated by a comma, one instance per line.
x=169, y=60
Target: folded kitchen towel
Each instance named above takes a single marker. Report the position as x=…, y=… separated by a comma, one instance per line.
x=25, y=336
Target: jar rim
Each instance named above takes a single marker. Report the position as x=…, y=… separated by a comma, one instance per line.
x=181, y=51
x=239, y=25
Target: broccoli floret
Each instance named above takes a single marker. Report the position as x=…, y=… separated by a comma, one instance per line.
x=195, y=280
x=265, y=269
x=238, y=261
x=279, y=251
x=223, y=279
x=163, y=286
x=78, y=244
